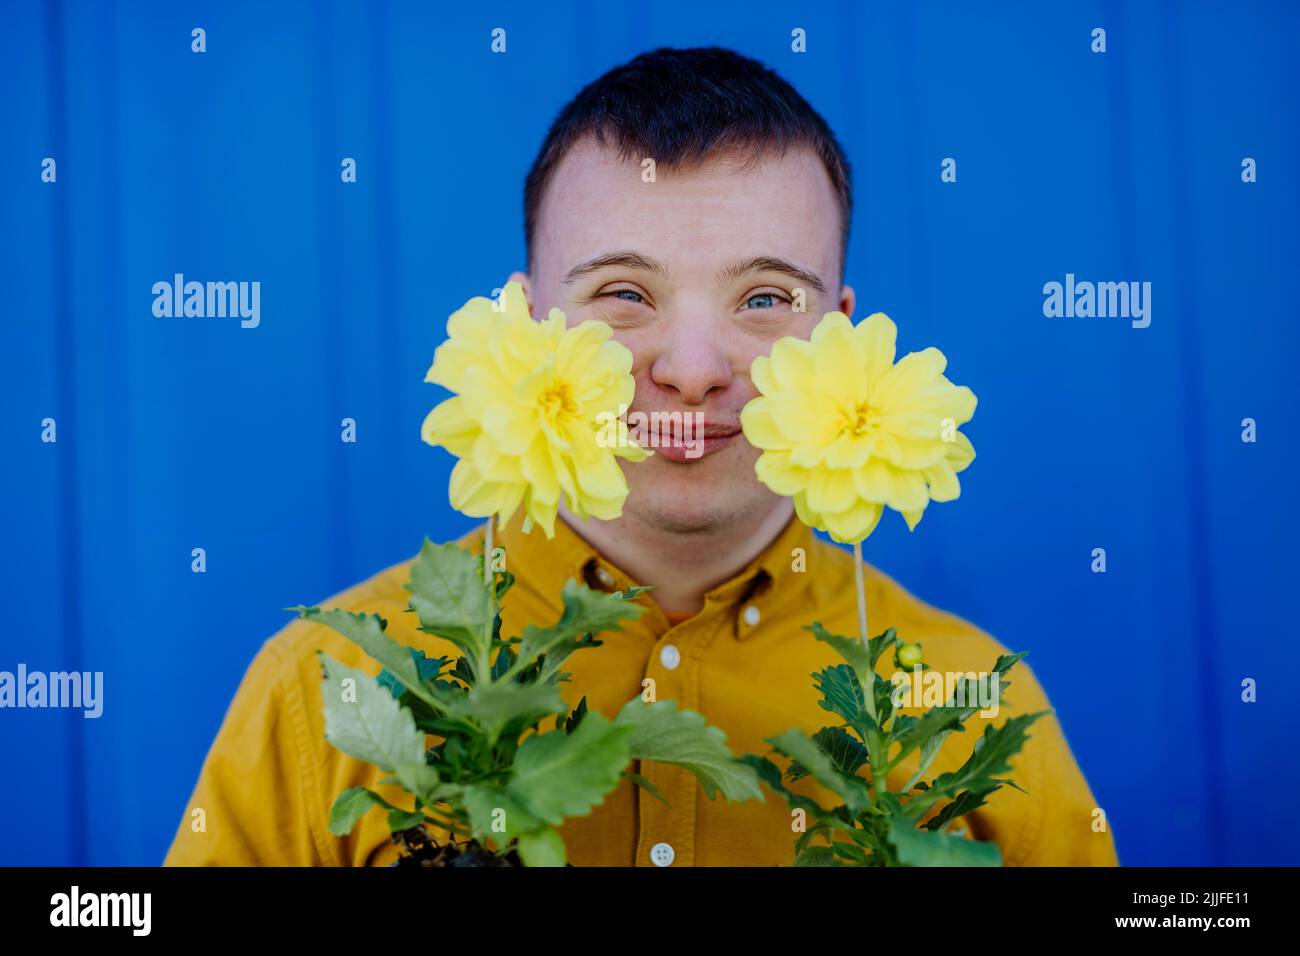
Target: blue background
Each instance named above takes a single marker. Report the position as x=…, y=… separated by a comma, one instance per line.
x=175, y=434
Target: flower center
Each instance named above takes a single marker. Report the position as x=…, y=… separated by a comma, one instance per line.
x=856, y=421
x=558, y=401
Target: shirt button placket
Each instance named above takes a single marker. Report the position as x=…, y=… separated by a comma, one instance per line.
x=662, y=854
x=658, y=822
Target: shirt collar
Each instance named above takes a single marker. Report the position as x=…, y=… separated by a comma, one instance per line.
x=777, y=575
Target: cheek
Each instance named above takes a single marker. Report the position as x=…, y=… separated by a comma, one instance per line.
x=753, y=348
x=636, y=342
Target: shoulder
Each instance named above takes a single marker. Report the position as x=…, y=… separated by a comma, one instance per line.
x=295, y=646
x=954, y=647
x=282, y=705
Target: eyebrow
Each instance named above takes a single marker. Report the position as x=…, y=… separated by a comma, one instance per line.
x=635, y=260
x=631, y=260
x=771, y=264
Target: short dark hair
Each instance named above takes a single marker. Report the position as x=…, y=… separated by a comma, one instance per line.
x=677, y=107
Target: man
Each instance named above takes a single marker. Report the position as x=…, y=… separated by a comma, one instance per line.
x=692, y=200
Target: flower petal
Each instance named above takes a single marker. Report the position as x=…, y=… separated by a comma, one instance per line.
x=775, y=470
x=879, y=337
x=831, y=490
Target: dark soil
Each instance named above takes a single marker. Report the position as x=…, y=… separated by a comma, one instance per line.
x=422, y=851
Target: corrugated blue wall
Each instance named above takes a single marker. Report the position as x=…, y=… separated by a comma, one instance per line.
x=177, y=434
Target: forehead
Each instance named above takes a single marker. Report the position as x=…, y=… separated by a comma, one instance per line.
x=730, y=207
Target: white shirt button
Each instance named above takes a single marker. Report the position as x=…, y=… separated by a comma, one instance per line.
x=670, y=657
x=662, y=854
x=604, y=577
x=750, y=615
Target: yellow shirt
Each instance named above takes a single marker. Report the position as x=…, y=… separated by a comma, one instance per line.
x=744, y=661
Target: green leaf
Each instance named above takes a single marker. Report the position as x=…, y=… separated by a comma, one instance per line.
x=929, y=750
x=367, y=632
x=419, y=779
x=849, y=648
x=450, y=596
x=841, y=692
x=884, y=700
x=646, y=785
x=350, y=806
x=575, y=718
x=924, y=848
x=770, y=774
x=816, y=856
x=912, y=733
x=881, y=643
x=364, y=721
x=1012, y=784
x=505, y=659
x=495, y=705
x=505, y=581
x=684, y=738
x=812, y=830
x=496, y=814
x=794, y=743
x=966, y=801
x=428, y=669
x=845, y=753
x=544, y=847
x=1005, y=662
x=558, y=775
x=585, y=612
x=937, y=724
x=851, y=852
x=463, y=671
x=399, y=820
x=991, y=756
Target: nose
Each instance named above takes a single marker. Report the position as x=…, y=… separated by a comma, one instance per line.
x=690, y=361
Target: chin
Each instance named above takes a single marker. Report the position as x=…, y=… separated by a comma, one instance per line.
x=715, y=489
x=696, y=497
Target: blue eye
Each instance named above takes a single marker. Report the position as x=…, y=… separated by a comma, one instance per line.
x=636, y=296
x=768, y=301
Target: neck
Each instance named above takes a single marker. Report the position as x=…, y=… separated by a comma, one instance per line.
x=681, y=566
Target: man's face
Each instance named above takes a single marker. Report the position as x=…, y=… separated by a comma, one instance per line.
x=697, y=274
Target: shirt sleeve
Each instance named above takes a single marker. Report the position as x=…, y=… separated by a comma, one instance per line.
x=251, y=805
x=1073, y=830
x=1058, y=822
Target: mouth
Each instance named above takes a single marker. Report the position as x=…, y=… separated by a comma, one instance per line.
x=686, y=448
x=682, y=437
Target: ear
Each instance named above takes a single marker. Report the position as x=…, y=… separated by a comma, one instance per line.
x=847, y=300
x=522, y=279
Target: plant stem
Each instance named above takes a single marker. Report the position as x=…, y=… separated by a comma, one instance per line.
x=484, y=675
x=878, y=783
x=452, y=828
x=862, y=603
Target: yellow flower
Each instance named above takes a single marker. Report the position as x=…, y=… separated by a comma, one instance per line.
x=846, y=432
x=527, y=413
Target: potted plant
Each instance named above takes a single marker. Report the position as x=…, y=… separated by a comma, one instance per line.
x=847, y=432
x=508, y=761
